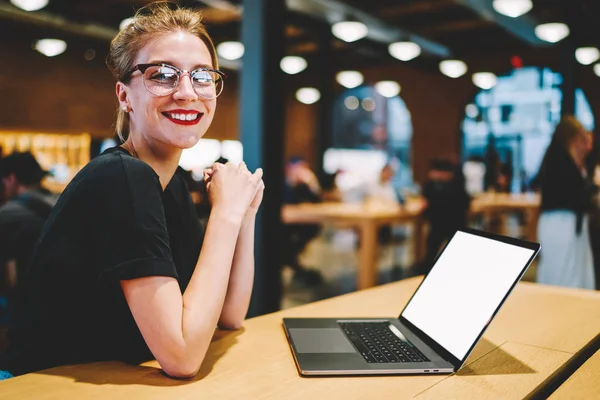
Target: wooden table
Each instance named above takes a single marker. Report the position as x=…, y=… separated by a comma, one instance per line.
x=583, y=384
x=498, y=205
x=537, y=333
x=367, y=218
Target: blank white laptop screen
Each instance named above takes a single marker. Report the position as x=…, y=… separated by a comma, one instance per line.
x=464, y=288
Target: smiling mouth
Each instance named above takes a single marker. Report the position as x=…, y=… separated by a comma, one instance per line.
x=184, y=118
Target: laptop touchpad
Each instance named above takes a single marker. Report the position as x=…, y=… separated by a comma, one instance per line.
x=321, y=340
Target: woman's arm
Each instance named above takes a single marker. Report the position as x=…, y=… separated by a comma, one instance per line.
x=242, y=269
x=178, y=328
x=241, y=279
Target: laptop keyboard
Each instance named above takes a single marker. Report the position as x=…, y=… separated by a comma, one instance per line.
x=378, y=344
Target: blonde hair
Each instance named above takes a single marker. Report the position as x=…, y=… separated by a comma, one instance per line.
x=154, y=20
x=567, y=130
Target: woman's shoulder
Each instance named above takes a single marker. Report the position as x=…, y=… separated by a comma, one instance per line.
x=116, y=165
x=118, y=159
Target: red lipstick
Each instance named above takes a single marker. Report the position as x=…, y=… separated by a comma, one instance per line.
x=180, y=117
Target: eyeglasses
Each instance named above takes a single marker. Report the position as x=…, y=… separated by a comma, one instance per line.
x=163, y=79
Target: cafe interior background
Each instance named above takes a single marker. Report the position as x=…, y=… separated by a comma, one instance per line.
x=346, y=84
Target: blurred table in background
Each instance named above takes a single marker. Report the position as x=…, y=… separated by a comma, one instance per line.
x=367, y=218
x=495, y=207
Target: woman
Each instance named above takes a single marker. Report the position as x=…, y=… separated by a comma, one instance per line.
x=566, y=257
x=118, y=273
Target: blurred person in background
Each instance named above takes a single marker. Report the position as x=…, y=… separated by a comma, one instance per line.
x=22, y=218
x=331, y=192
x=301, y=186
x=492, y=164
x=447, y=206
x=124, y=269
x=567, y=191
x=301, y=183
x=383, y=190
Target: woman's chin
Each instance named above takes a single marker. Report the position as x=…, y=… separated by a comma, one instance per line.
x=186, y=142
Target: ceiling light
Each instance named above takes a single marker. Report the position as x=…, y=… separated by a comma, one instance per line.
x=587, y=55
x=552, y=32
x=453, y=68
x=351, y=102
x=404, y=51
x=308, y=95
x=485, y=80
x=512, y=8
x=230, y=50
x=349, y=31
x=597, y=69
x=368, y=104
x=125, y=23
x=349, y=79
x=293, y=64
x=387, y=88
x=30, y=5
x=51, y=47
x=472, y=111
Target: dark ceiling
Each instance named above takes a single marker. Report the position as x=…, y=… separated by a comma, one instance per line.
x=448, y=28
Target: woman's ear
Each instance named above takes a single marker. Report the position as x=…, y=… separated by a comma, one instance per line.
x=123, y=97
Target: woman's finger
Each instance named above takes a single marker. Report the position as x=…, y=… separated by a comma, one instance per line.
x=258, y=174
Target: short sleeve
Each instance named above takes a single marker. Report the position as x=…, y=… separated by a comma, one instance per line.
x=132, y=239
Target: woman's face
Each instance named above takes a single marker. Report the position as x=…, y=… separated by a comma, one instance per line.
x=158, y=119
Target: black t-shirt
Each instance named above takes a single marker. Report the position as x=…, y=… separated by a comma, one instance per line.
x=113, y=222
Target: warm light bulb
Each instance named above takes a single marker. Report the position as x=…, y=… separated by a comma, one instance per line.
x=387, y=88
x=230, y=50
x=349, y=79
x=485, y=80
x=308, y=95
x=512, y=8
x=51, y=47
x=453, y=68
x=293, y=64
x=552, y=32
x=30, y=5
x=587, y=55
x=404, y=51
x=349, y=31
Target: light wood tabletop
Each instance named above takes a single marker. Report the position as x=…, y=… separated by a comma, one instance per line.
x=505, y=202
x=583, y=384
x=531, y=338
x=496, y=206
x=367, y=218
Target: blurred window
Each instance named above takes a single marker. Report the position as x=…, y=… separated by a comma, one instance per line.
x=521, y=112
x=365, y=120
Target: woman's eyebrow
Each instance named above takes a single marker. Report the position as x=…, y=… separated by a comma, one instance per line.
x=174, y=64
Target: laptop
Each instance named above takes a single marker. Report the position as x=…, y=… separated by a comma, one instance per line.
x=439, y=327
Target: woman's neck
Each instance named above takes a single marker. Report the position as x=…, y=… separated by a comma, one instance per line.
x=164, y=162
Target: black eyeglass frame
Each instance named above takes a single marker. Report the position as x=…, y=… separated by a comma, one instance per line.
x=143, y=67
